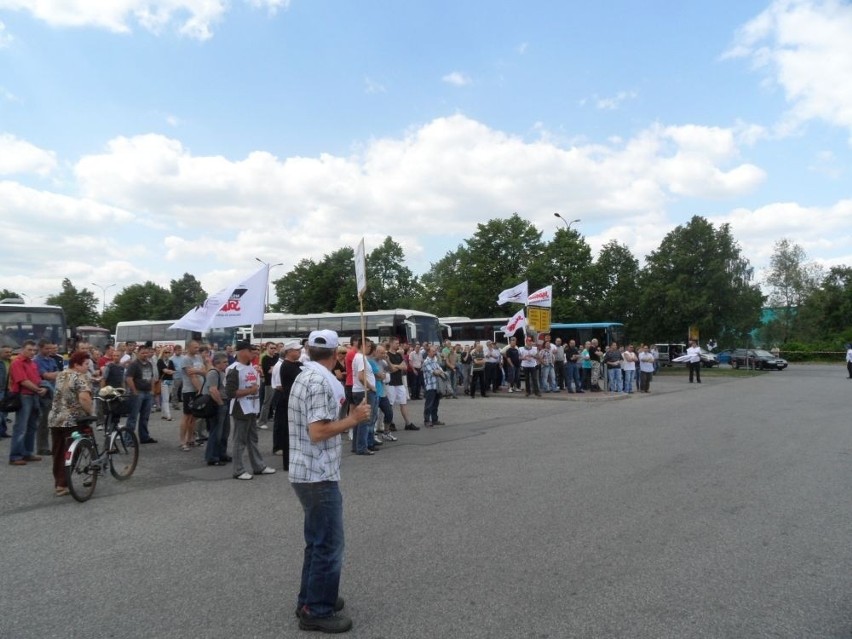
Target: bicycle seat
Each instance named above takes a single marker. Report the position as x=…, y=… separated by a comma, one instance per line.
x=87, y=420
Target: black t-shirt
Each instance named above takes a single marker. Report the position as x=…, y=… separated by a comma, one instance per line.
x=572, y=354
x=114, y=375
x=513, y=356
x=594, y=353
x=396, y=376
x=141, y=374
x=266, y=366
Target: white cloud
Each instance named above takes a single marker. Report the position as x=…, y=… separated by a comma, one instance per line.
x=189, y=212
x=191, y=18
x=5, y=37
x=372, y=86
x=448, y=173
x=456, y=78
x=19, y=156
x=805, y=47
x=825, y=231
x=522, y=48
x=8, y=96
x=614, y=102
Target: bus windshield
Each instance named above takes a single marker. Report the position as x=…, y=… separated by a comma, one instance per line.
x=19, y=323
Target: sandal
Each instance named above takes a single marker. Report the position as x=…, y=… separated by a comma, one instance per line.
x=61, y=492
x=185, y=448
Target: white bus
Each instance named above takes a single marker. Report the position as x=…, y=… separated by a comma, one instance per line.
x=20, y=321
x=466, y=331
x=158, y=333
x=407, y=325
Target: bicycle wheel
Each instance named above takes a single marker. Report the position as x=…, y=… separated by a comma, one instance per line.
x=82, y=474
x=123, y=453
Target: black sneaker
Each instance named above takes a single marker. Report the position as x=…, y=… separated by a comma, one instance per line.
x=392, y=427
x=412, y=427
x=338, y=606
x=335, y=623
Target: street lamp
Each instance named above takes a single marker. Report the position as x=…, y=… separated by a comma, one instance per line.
x=567, y=223
x=103, y=290
x=269, y=268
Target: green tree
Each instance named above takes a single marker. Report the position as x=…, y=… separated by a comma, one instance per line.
x=697, y=276
x=826, y=311
x=148, y=301
x=791, y=280
x=615, y=293
x=566, y=262
x=442, y=289
x=390, y=284
x=80, y=306
x=501, y=253
x=186, y=293
x=316, y=287
x=6, y=293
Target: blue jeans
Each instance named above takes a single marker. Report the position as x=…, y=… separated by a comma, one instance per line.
x=217, y=437
x=140, y=410
x=573, y=375
x=364, y=432
x=629, y=376
x=430, y=407
x=323, y=507
x=25, y=428
x=614, y=378
x=548, y=378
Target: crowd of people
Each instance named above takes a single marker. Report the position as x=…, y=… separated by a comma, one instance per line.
x=170, y=379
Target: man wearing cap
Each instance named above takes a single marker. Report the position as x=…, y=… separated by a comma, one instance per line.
x=316, y=418
x=242, y=387
x=283, y=376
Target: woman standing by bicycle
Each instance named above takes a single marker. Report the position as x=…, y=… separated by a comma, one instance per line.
x=73, y=399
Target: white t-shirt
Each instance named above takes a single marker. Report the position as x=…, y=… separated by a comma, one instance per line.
x=694, y=354
x=529, y=356
x=357, y=367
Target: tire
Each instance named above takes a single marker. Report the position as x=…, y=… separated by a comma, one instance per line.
x=81, y=475
x=737, y=364
x=124, y=453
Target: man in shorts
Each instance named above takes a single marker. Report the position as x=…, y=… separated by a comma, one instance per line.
x=397, y=395
x=192, y=379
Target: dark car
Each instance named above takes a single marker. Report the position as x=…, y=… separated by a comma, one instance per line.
x=757, y=359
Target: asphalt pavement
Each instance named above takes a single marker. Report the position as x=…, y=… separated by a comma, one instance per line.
x=712, y=510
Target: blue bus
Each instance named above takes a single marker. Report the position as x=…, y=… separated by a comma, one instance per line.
x=605, y=332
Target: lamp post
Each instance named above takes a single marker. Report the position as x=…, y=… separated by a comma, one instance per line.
x=103, y=291
x=269, y=268
x=567, y=223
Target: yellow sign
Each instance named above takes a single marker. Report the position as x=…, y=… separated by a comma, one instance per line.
x=693, y=332
x=538, y=318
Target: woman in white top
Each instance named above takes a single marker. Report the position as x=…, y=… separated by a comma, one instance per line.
x=628, y=368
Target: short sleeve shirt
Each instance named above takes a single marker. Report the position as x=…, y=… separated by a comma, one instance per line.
x=66, y=407
x=312, y=400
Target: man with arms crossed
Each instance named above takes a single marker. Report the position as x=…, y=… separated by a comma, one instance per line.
x=395, y=388
x=317, y=419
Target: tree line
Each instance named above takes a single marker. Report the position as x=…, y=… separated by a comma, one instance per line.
x=697, y=276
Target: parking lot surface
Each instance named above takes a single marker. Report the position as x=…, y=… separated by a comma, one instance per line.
x=712, y=510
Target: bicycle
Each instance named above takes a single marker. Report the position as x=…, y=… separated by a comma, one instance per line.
x=84, y=461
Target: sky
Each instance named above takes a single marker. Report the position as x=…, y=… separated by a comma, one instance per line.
x=144, y=139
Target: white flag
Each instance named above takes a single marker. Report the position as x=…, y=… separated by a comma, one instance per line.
x=542, y=297
x=360, y=269
x=239, y=304
x=517, y=321
x=516, y=294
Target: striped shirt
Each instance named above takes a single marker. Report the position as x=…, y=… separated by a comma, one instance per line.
x=312, y=400
x=430, y=365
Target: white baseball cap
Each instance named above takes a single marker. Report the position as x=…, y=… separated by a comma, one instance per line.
x=323, y=339
x=293, y=345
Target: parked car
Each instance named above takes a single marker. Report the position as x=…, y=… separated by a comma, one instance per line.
x=756, y=358
x=669, y=352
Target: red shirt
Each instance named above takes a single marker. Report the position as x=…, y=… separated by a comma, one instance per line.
x=350, y=355
x=23, y=368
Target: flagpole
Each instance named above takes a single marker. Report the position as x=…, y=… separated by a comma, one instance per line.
x=269, y=267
